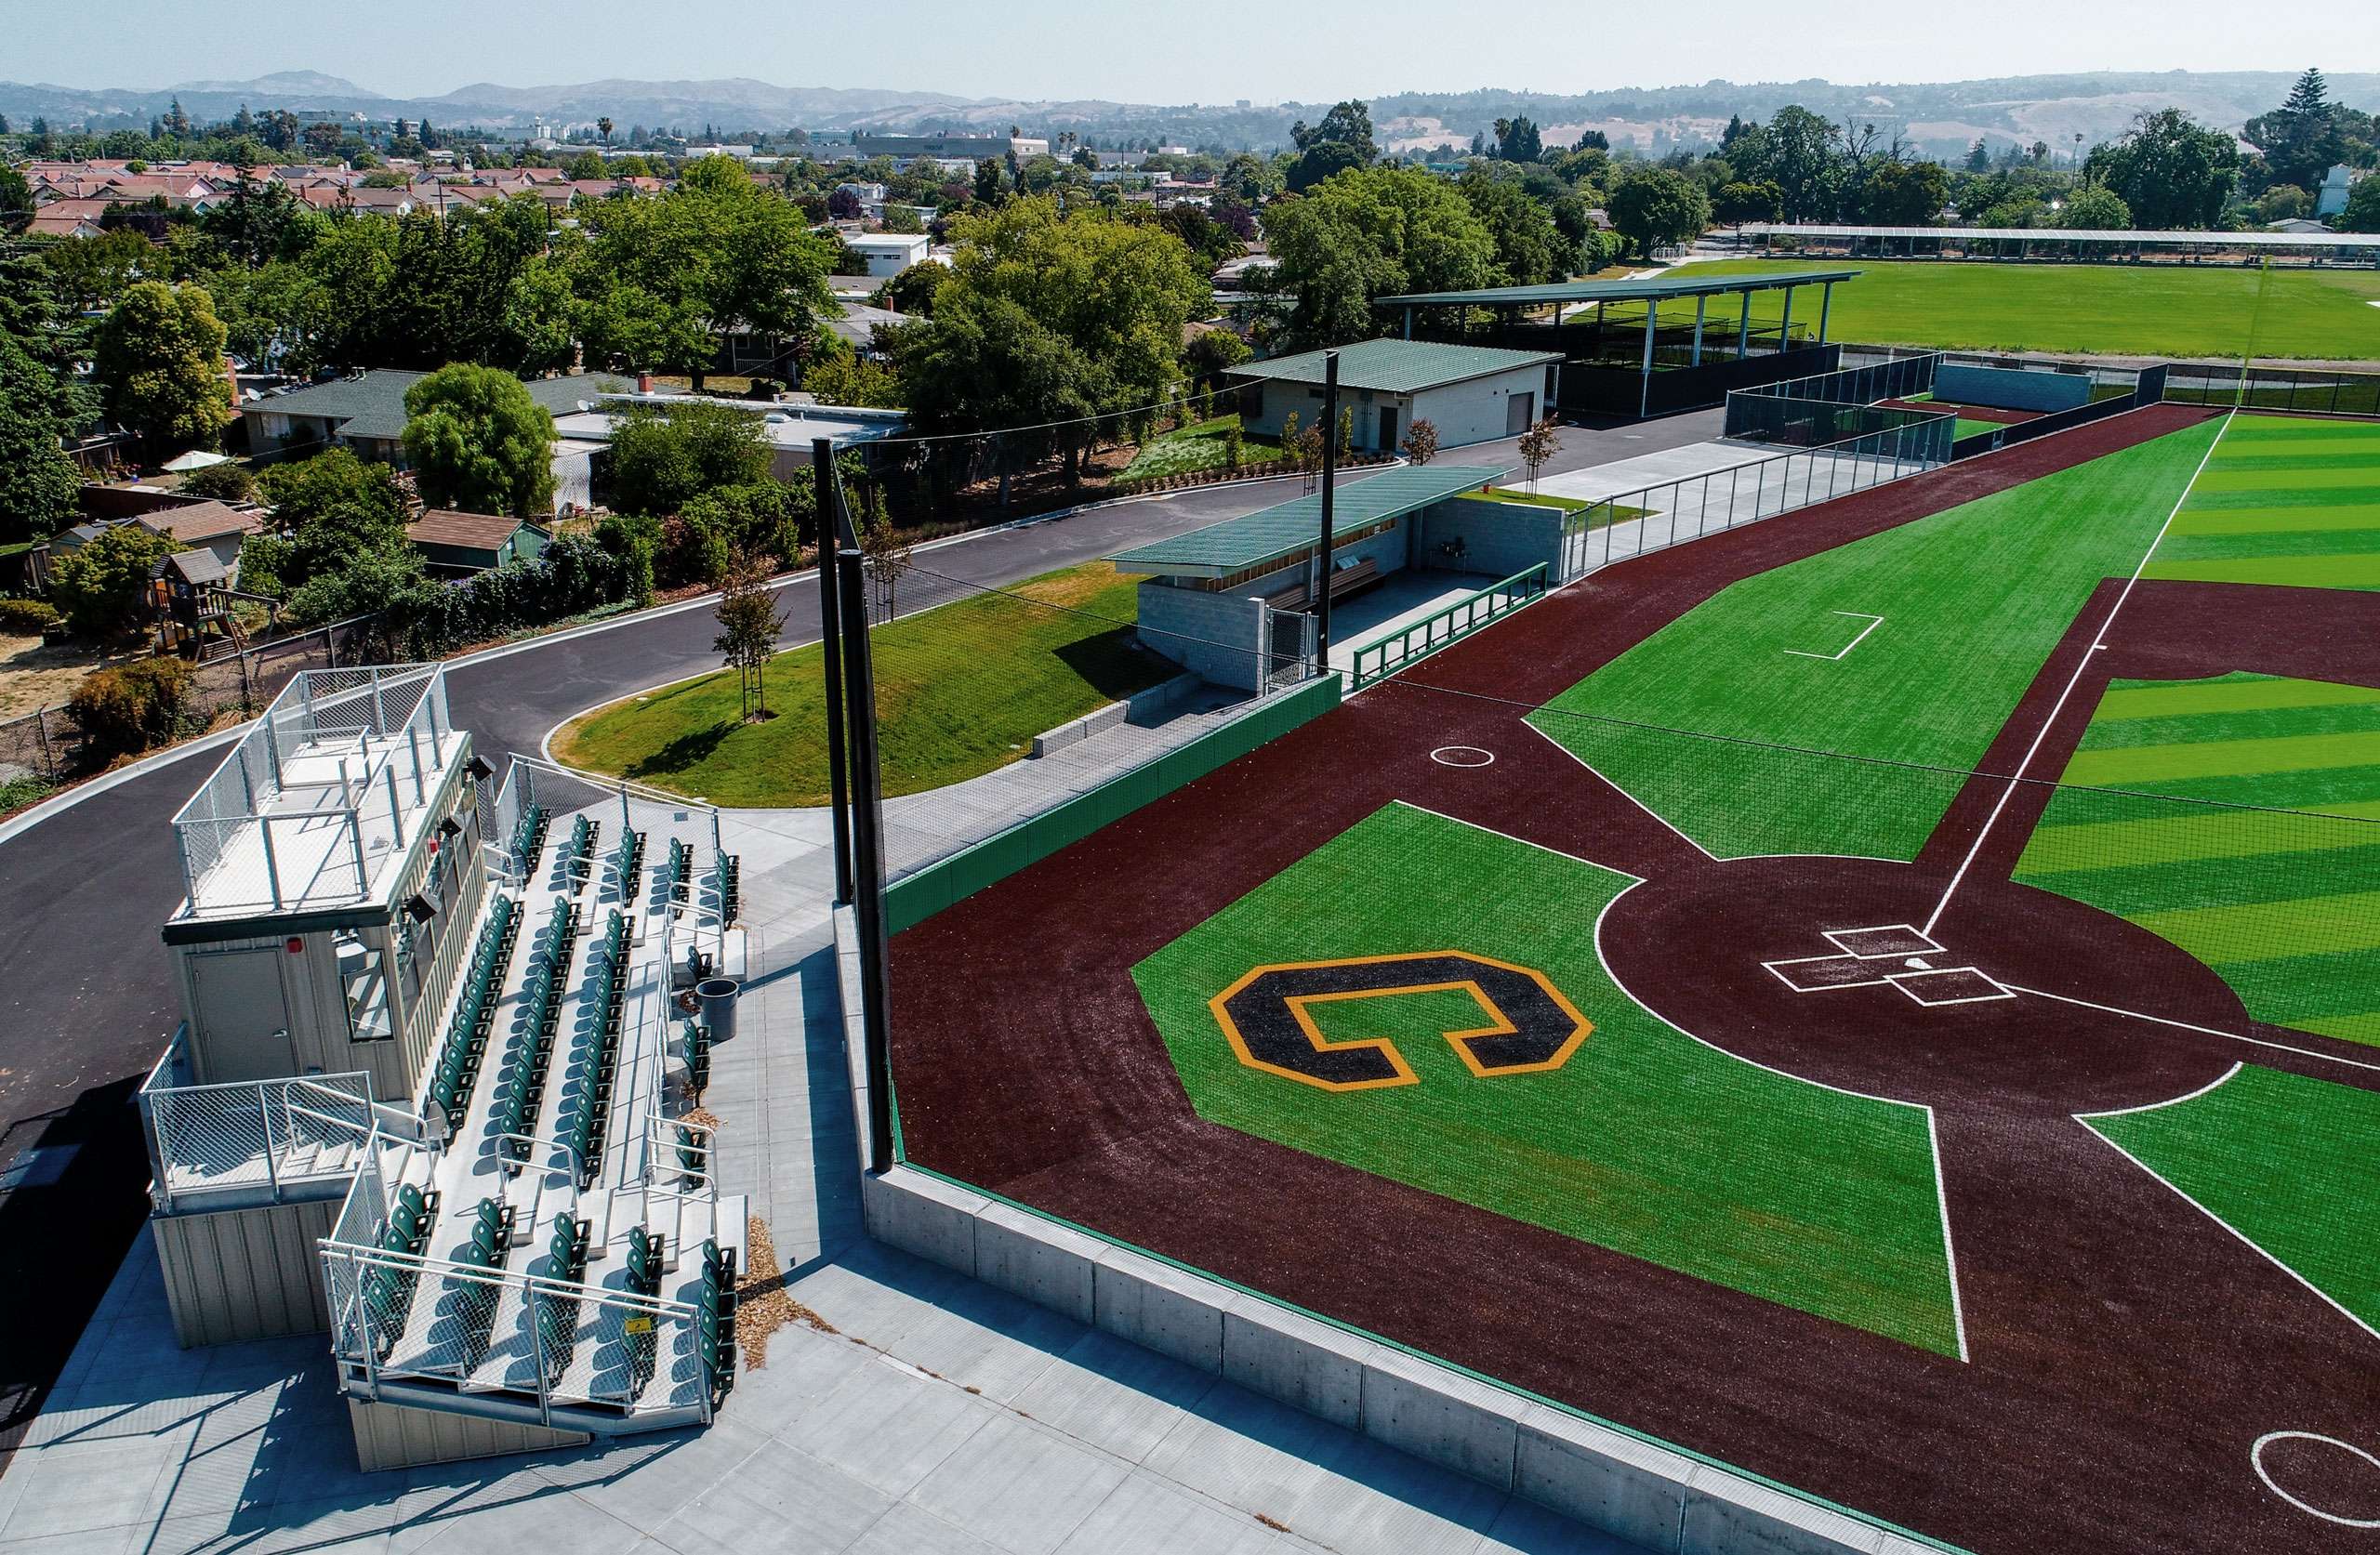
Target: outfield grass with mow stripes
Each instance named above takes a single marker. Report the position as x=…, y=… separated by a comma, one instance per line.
x=2283, y=899
x=2283, y=1160
x=1973, y=600
x=2179, y=310
x=2282, y=501
x=1645, y=1141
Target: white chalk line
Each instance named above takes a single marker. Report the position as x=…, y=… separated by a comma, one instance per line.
x=2257, y=1459
x=2075, y=679
x=2192, y=1026
x=1873, y=622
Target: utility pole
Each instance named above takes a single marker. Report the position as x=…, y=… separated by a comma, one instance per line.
x=828, y=492
x=1329, y=497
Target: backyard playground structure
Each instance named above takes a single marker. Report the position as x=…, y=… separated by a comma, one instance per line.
x=1889, y=986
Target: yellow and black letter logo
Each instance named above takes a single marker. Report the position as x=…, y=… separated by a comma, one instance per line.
x=1266, y=1017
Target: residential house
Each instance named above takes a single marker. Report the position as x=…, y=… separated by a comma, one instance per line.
x=213, y=527
x=888, y=254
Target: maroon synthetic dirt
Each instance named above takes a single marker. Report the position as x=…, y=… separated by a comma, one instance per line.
x=2124, y=1353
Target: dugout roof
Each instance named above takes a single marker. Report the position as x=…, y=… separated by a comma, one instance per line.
x=1288, y=530
x=1647, y=288
x=1395, y=366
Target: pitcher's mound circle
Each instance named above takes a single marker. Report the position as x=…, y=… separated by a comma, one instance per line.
x=1462, y=756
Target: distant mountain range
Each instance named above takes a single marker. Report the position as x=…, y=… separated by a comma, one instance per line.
x=1939, y=118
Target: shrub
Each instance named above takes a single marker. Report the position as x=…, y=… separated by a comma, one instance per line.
x=27, y=617
x=136, y=706
x=99, y=585
x=225, y=482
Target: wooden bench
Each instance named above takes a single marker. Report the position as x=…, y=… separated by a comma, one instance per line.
x=1344, y=580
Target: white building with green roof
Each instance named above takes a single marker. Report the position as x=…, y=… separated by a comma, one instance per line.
x=1469, y=393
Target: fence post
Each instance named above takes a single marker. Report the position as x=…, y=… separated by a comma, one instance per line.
x=868, y=860
x=264, y=1110
x=832, y=523
x=41, y=730
x=272, y=866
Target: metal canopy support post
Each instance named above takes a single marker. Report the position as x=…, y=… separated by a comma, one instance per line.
x=1644, y=376
x=1785, y=324
x=1702, y=304
x=867, y=840
x=1826, y=306
x=1330, y=478
x=1743, y=329
x=832, y=523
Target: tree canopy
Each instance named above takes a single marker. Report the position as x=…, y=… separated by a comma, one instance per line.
x=37, y=480
x=160, y=365
x=1344, y=141
x=477, y=441
x=2171, y=171
x=1370, y=233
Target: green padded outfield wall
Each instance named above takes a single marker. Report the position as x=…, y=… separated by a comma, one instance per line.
x=915, y=898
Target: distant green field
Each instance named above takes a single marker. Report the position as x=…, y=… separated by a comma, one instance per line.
x=2107, y=309
x=2282, y=902
x=1754, y=665
x=2282, y=501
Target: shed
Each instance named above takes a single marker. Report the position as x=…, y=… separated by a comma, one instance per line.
x=458, y=545
x=1469, y=393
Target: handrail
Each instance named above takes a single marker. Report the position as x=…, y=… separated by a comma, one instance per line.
x=1502, y=598
x=489, y=1147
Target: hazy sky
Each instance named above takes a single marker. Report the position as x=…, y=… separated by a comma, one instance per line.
x=1164, y=53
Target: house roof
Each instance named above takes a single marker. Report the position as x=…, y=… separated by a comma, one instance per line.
x=476, y=531
x=1395, y=366
x=372, y=404
x=204, y=520
x=1289, y=529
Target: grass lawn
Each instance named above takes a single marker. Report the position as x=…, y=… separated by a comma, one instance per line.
x=1196, y=446
x=1645, y=1141
x=2283, y=1160
x=1585, y=515
x=1972, y=599
x=2111, y=309
x=1963, y=427
x=2283, y=501
x=2280, y=901
x=961, y=690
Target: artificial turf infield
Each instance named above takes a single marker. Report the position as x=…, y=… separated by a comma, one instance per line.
x=2275, y=882
x=2009, y=569
x=1645, y=1141
x=2282, y=501
x=2123, y=1353
x=2178, y=310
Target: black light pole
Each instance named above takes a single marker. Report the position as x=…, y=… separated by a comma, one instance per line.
x=1330, y=475
x=828, y=492
x=867, y=837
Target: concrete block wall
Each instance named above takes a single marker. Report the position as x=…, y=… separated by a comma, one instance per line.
x=1664, y=1500
x=1474, y=411
x=1499, y=538
x=1214, y=635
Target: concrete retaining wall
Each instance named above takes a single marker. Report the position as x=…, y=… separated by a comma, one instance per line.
x=1157, y=699
x=1499, y=538
x=2011, y=389
x=1665, y=1500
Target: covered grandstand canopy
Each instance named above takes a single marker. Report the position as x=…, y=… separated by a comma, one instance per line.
x=1288, y=530
x=1664, y=288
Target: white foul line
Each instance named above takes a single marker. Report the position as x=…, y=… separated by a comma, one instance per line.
x=2210, y=1030
x=1873, y=622
x=2075, y=679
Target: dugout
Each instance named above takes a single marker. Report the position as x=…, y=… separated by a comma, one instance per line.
x=1231, y=601
x=1645, y=347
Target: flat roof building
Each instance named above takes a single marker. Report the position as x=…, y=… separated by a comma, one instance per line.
x=1468, y=393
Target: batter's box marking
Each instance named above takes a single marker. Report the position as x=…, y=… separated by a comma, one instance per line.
x=1873, y=622
x=1948, y=986
x=1815, y=974
x=1885, y=939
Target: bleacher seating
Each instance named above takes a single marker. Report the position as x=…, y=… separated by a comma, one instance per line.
x=586, y=1133
x=680, y=870
x=628, y=863
x=731, y=887
x=697, y=1050
x=578, y=854
x=715, y=1318
x=529, y=838
x=456, y=1074
x=542, y=996
x=491, y=1235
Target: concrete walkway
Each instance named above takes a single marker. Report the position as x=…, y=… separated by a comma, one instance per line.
x=1700, y=489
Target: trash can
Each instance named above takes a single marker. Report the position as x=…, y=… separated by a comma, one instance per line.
x=717, y=997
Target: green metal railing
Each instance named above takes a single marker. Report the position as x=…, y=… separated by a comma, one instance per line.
x=1384, y=655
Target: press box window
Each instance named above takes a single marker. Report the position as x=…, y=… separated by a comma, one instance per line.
x=364, y=977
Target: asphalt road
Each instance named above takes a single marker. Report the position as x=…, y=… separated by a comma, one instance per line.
x=85, y=1001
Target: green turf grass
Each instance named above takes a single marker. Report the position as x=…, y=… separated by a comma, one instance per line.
x=2283, y=1160
x=1974, y=599
x=2120, y=310
x=1645, y=1141
x=2283, y=901
x=961, y=690
x=1583, y=515
x=1194, y=447
x=2282, y=501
